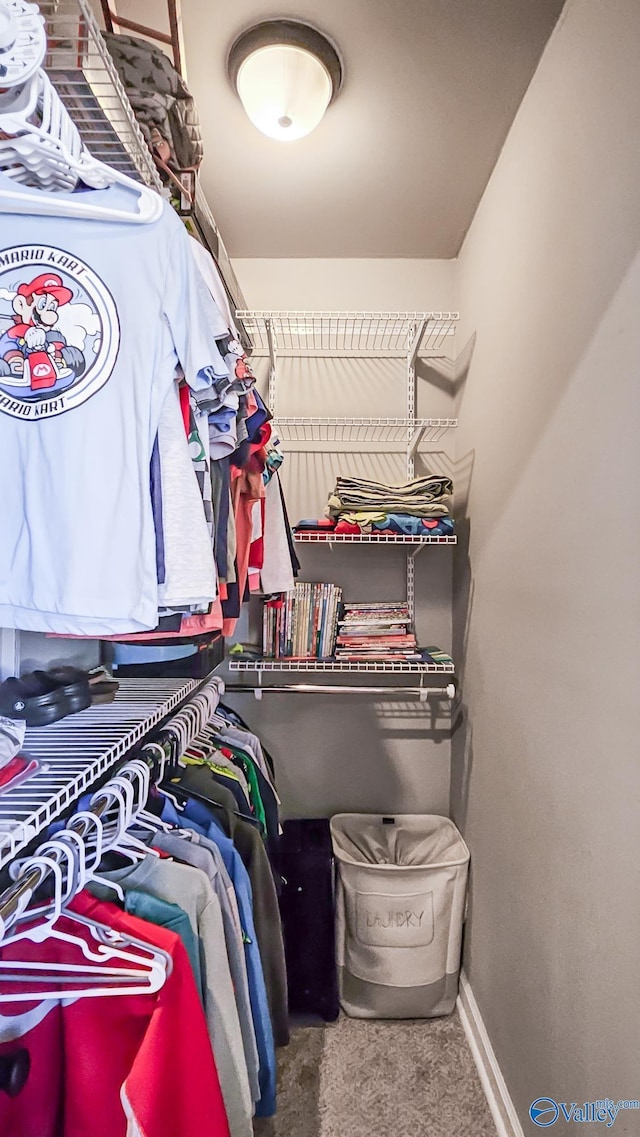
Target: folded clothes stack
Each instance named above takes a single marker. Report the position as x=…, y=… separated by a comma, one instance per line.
x=393, y=525
x=416, y=508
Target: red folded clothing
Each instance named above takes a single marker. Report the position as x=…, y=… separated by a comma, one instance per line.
x=16, y=771
x=348, y=527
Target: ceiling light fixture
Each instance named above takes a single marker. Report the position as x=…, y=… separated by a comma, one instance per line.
x=286, y=74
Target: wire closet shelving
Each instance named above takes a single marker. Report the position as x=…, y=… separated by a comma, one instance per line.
x=388, y=433
x=85, y=77
x=333, y=665
x=382, y=539
x=361, y=335
x=82, y=70
x=76, y=751
x=383, y=334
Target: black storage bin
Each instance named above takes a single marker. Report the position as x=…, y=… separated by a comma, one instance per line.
x=210, y=655
x=308, y=917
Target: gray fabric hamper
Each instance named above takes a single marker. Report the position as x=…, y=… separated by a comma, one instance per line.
x=400, y=897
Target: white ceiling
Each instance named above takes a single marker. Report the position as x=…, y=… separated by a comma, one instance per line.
x=401, y=159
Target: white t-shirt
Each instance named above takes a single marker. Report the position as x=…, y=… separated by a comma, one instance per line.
x=190, y=571
x=213, y=280
x=94, y=318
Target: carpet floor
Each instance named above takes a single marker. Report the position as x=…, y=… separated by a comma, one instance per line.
x=358, y=1077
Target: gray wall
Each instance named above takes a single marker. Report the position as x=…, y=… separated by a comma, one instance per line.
x=337, y=753
x=546, y=778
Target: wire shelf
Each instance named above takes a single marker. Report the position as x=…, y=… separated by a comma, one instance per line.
x=85, y=77
x=320, y=538
x=78, y=750
x=400, y=431
x=346, y=333
x=341, y=667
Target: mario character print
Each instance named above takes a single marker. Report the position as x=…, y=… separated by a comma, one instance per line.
x=59, y=332
x=34, y=349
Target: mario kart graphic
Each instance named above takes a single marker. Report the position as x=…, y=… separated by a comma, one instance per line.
x=34, y=352
x=59, y=332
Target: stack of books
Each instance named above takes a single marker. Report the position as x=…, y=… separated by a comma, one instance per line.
x=301, y=624
x=379, y=631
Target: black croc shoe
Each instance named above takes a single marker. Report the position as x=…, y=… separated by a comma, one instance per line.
x=73, y=683
x=27, y=700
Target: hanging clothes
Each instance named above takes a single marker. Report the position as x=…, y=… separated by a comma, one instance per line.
x=190, y=576
x=211, y=832
x=111, y=1066
x=248, y=844
x=191, y=889
x=198, y=857
x=82, y=389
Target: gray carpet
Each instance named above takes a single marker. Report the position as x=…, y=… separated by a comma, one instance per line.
x=355, y=1078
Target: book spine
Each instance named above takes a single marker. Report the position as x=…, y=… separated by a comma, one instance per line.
x=272, y=625
x=287, y=649
x=317, y=601
x=329, y=619
x=293, y=619
x=333, y=631
x=301, y=605
x=310, y=603
x=299, y=619
x=303, y=616
x=310, y=614
x=338, y=607
x=320, y=623
x=322, y=637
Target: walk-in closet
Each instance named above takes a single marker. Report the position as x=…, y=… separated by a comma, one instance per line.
x=319, y=598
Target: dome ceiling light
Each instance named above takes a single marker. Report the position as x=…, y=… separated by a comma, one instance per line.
x=286, y=73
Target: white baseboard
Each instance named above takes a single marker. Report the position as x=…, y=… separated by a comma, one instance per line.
x=493, y=1083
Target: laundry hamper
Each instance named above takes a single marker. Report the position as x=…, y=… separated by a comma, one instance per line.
x=400, y=897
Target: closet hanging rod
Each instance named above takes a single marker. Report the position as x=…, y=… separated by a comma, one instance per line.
x=447, y=692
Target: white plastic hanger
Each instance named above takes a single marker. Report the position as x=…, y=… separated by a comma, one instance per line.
x=179, y=806
x=95, y=823
x=42, y=148
x=140, y=771
x=122, y=842
x=148, y=965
